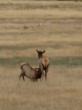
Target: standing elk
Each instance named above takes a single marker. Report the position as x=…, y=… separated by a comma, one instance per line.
x=43, y=62
x=30, y=72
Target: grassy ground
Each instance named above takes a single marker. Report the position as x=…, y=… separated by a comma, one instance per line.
x=55, y=27
x=61, y=91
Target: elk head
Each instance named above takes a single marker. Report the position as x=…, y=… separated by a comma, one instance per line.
x=40, y=53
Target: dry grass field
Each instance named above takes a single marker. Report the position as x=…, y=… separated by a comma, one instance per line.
x=55, y=26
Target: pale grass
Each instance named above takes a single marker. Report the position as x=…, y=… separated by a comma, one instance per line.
x=39, y=40
x=40, y=13
x=63, y=52
x=31, y=44
x=51, y=52
x=62, y=90
x=40, y=1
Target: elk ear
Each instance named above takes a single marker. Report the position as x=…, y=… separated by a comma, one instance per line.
x=43, y=51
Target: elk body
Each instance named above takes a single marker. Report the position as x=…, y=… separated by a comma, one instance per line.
x=30, y=72
x=43, y=62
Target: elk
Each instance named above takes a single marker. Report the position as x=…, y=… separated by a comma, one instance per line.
x=43, y=62
x=28, y=71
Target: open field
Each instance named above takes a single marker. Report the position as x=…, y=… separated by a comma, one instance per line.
x=62, y=90
x=55, y=26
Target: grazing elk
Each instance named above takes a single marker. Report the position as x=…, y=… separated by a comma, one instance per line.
x=30, y=72
x=43, y=62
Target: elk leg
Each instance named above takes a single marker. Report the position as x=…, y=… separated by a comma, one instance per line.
x=46, y=71
x=46, y=74
x=22, y=75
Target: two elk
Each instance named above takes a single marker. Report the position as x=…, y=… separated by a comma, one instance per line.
x=36, y=73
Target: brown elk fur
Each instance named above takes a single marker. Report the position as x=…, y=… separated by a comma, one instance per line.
x=35, y=73
x=43, y=62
